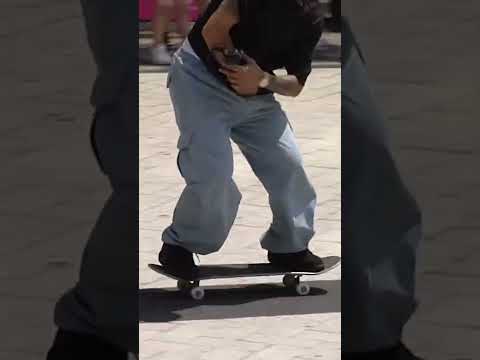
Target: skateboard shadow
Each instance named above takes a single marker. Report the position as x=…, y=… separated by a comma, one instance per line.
x=222, y=302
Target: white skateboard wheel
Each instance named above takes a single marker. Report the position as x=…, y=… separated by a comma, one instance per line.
x=290, y=280
x=183, y=284
x=197, y=293
x=302, y=289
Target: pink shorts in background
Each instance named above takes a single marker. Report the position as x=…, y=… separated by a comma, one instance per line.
x=147, y=10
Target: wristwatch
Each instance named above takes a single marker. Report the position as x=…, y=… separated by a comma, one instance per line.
x=265, y=81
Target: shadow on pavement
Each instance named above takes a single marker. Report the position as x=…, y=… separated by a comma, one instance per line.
x=222, y=302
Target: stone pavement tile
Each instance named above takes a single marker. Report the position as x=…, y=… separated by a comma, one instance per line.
x=319, y=350
x=190, y=341
x=442, y=341
x=447, y=322
x=332, y=324
x=232, y=354
x=250, y=338
x=160, y=351
x=25, y=310
x=21, y=355
x=452, y=310
x=451, y=260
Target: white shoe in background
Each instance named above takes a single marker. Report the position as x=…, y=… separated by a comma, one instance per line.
x=160, y=55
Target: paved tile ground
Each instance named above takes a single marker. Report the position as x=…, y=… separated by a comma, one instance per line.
x=315, y=116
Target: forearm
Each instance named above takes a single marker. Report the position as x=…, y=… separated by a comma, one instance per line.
x=287, y=85
x=217, y=37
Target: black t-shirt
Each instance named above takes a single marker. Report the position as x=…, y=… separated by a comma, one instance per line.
x=276, y=33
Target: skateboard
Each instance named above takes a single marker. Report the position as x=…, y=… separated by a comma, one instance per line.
x=291, y=279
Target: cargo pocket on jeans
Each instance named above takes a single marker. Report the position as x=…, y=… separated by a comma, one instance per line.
x=183, y=145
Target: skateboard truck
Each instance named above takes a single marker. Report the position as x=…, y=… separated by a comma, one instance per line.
x=291, y=281
x=191, y=287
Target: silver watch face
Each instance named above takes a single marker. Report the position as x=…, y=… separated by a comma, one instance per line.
x=264, y=82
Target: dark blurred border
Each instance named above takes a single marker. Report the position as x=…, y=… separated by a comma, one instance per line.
x=423, y=61
x=51, y=188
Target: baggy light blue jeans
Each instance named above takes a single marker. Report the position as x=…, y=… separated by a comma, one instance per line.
x=208, y=115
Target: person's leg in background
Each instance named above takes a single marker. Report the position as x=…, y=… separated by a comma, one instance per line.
x=381, y=225
x=98, y=318
x=182, y=19
x=202, y=5
x=164, y=11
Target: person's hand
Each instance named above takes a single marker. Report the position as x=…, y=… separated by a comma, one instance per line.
x=244, y=79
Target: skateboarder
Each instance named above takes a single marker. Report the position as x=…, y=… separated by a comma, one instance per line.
x=97, y=319
x=215, y=102
x=381, y=225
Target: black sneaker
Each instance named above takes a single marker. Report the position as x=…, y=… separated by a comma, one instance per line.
x=75, y=346
x=300, y=261
x=178, y=262
x=399, y=352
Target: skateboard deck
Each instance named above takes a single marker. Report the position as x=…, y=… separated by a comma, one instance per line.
x=291, y=279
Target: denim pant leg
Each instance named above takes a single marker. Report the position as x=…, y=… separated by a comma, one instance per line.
x=380, y=224
x=267, y=141
x=204, y=110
